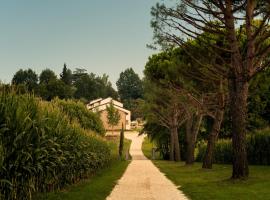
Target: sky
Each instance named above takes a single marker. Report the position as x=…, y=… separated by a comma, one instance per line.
x=101, y=36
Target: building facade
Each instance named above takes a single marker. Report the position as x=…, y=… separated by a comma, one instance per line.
x=100, y=105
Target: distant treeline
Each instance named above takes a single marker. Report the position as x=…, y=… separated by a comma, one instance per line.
x=77, y=84
x=82, y=86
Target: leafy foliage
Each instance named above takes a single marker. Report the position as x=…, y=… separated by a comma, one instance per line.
x=55, y=88
x=90, y=86
x=258, y=145
x=161, y=136
x=130, y=89
x=27, y=77
x=42, y=150
x=113, y=115
x=135, y=106
x=46, y=76
x=78, y=112
x=66, y=75
x=129, y=85
x=79, y=84
x=259, y=101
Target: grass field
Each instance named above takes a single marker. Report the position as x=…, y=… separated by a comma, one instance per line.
x=200, y=184
x=97, y=187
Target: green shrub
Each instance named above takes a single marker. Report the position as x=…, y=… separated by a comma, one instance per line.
x=78, y=111
x=222, y=152
x=42, y=150
x=258, y=149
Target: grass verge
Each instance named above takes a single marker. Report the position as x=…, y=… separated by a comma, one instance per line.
x=99, y=186
x=147, y=149
x=201, y=184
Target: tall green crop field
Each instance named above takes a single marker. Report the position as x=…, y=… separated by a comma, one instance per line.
x=41, y=149
x=77, y=111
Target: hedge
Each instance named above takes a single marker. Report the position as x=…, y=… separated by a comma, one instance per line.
x=258, y=149
x=41, y=149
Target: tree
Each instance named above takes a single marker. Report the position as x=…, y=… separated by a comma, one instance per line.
x=66, y=75
x=259, y=101
x=166, y=108
x=135, y=106
x=217, y=116
x=190, y=18
x=90, y=86
x=113, y=115
x=129, y=85
x=27, y=77
x=121, y=142
x=85, y=86
x=172, y=102
x=160, y=135
x=55, y=88
x=46, y=76
x=79, y=72
x=104, y=87
x=174, y=69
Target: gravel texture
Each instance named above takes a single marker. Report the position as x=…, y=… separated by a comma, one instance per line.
x=142, y=179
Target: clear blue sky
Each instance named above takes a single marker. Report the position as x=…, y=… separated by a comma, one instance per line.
x=102, y=36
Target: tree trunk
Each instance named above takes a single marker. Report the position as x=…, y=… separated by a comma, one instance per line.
x=190, y=151
x=192, y=129
x=208, y=158
x=238, y=111
x=188, y=139
x=171, y=146
x=121, y=142
x=176, y=145
x=238, y=90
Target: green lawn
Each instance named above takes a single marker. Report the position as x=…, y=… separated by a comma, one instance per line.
x=147, y=149
x=201, y=184
x=97, y=187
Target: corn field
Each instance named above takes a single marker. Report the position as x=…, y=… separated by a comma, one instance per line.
x=78, y=112
x=41, y=149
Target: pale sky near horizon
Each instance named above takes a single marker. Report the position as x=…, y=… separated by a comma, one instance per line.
x=102, y=36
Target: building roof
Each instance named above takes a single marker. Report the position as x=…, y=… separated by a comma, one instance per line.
x=94, y=101
x=99, y=104
x=117, y=107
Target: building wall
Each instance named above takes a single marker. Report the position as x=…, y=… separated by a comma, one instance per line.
x=103, y=116
x=128, y=121
x=109, y=100
x=100, y=105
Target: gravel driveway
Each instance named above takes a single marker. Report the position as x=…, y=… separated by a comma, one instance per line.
x=142, y=179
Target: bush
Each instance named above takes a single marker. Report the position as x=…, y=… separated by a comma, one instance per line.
x=78, y=111
x=41, y=149
x=161, y=136
x=258, y=149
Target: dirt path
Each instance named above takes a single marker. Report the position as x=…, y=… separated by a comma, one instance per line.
x=142, y=180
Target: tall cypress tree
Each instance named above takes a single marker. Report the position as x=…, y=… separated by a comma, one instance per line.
x=121, y=142
x=66, y=75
